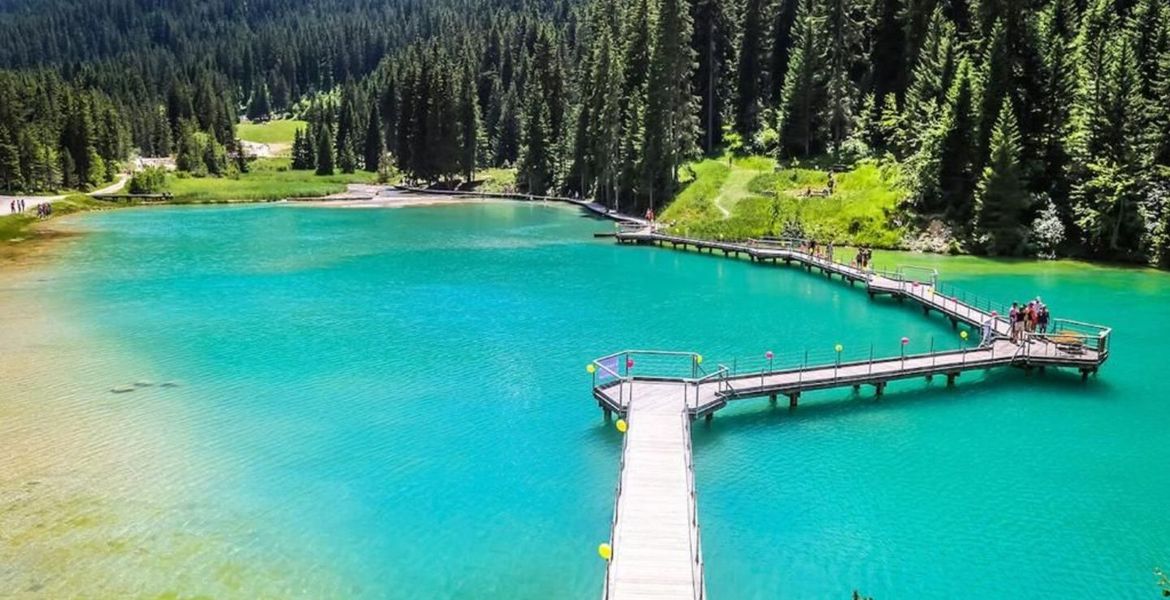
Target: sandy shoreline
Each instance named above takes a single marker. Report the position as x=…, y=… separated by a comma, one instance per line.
x=382, y=197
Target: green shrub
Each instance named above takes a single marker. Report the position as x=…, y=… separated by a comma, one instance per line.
x=151, y=180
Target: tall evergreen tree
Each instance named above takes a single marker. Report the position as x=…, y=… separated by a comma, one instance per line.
x=1003, y=198
x=802, y=102
x=714, y=44
x=945, y=179
x=324, y=151
x=843, y=46
x=469, y=125
x=671, y=123
x=10, y=172
x=930, y=81
x=1107, y=140
x=751, y=76
x=1056, y=25
x=260, y=105
x=373, y=147
x=1158, y=114
x=781, y=38
x=535, y=169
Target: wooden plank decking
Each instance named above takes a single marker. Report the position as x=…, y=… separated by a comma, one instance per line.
x=655, y=533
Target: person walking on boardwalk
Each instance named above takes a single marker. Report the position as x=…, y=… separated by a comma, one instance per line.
x=985, y=330
x=1042, y=318
x=1016, y=322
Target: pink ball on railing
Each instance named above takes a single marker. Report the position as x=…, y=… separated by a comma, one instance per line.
x=905, y=341
x=768, y=355
x=629, y=363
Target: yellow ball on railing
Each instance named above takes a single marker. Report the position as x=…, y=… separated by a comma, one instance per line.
x=605, y=551
x=621, y=425
x=838, y=348
x=963, y=334
x=590, y=368
x=698, y=359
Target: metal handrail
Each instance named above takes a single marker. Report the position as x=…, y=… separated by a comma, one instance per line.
x=617, y=496
x=693, y=538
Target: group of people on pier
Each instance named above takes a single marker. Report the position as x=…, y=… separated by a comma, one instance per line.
x=1023, y=319
x=1028, y=318
x=863, y=258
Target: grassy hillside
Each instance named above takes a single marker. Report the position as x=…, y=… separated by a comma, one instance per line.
x=750, y=198
x=268, y=179
x=272, y=132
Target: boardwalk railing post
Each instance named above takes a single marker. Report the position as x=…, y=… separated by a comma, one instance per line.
x=870, y=359
x=932, y=351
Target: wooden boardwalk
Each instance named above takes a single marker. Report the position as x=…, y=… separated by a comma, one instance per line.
x=655, y=536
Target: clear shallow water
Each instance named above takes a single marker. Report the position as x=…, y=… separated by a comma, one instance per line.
x=392, y=403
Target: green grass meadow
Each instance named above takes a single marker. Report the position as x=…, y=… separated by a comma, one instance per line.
x=267, y=179
x=271, y=132
x=749, y=197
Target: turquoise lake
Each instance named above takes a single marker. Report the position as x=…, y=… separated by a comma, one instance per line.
x=392, y=403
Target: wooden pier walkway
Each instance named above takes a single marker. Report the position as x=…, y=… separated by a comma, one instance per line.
x=655, y=535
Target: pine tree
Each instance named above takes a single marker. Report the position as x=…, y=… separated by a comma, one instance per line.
x=803, y=97
x=930, y=81
x=750, y=73
x=1109, y=190
x=10, y=171
x=605, y=129
x=372, y=147
x=506, y=148
x=189, y=156
x=535, y=169
x=324, y=150
x=347, y=131
x=781, y=39
x=996, y=83
x=1003, y=199
x=714, y=43
x=1158, y=114
x=671, y=123
x=843, y=40
x=944, y=166
x=469, y=125
x=304, y=150
x=1053, y=106
x=887, y=45
x=214, y=157
x=260, y=105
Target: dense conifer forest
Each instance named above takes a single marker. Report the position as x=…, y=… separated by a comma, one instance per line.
x=1017, y=125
